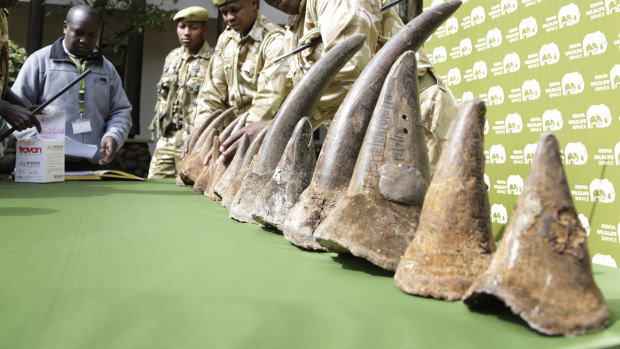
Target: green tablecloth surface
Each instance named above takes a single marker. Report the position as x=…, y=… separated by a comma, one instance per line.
x=153, y=265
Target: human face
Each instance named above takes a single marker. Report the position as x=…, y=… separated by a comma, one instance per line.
x=290, y=7
x=240, y=15
x=81, y=34
x=191, y=35
x=8, y=3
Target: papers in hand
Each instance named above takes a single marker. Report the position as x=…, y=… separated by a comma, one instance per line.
x=77, y=149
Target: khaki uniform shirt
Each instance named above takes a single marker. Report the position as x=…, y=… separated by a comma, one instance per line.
x=242, y=73
x=177, y=90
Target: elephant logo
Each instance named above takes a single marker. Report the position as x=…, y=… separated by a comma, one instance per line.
x=599, y=116
x=509, y=6
x=496, y=95
x=480, y=70
x=512, y=63
x=494, y=38
x=477, y=15
x=569, y=15
x=514, y=184
x=497, y=154
x=513, y=123
x=468, y=96
x=528, y=28
x=486, y=126
x=529, y=151
x=617, y=153
x=549, y=54
x=594, y=44
x=585, y=223
x=465, y=47
x=530, y=90
x=612, y=6
x=499, y=214
x=487, y=181
x=614, y=76
x=452, y=25
x=575, y=154
x=572, y=84
x=454, y=76
x=439, y=54
x=604, y=259
x=552, y=120
x=602, y=190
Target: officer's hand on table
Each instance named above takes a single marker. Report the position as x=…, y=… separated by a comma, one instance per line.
x=18, y=117
x=229, y=147
x=108, y=146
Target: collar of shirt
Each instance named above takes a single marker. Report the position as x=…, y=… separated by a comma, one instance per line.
x=256, y=33
x=64, y=47
x=204, y=52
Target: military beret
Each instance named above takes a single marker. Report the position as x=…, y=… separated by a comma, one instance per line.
x=192, y=14
x=222, y=2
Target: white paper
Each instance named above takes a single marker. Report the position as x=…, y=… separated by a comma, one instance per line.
x=52, y=126
x=75, y=148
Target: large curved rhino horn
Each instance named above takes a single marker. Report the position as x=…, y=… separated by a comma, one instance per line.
x=378, y=216
x=298, y=103
x=454, y=241
x=203, y=179
x=290, y=178
x=344, y=138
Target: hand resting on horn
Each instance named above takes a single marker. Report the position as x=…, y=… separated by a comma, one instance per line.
x=230, y=145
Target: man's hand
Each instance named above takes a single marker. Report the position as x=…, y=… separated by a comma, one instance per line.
x=108, y=146
x=18, y=117
x=230, y=145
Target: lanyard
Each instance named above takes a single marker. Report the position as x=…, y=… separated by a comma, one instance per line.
x=82, y=84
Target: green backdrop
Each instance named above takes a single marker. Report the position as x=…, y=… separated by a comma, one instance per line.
x=543, y=66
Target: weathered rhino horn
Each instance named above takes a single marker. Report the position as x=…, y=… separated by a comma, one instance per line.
x=204, y=177
x=365, y=221
x=298, y=103
x=541, y=269
x=233, y=168
x=235, y=184
x=197, y=168
x=217, y=123
x=191, y=161
x=193, y=137
x=219, y=168
x=290, y=178
x=346, y=133
x=454, y=241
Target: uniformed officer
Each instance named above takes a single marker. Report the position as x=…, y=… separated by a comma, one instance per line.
x=242, y=72
x=184, y=72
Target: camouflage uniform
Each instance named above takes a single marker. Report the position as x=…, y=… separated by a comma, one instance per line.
x=242, y=73
x=4, y=65
x=176, y=97
x=336, y=20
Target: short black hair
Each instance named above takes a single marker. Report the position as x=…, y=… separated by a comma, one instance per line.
x=85, y=9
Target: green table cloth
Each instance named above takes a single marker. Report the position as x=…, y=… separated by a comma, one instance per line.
x=153, y=265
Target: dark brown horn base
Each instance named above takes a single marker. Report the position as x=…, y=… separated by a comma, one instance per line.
x=291, y=177
x=370, y=227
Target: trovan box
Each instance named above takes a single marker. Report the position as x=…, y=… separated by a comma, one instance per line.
x=42, y=159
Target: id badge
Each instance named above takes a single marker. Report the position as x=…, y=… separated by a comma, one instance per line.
x=81, y=126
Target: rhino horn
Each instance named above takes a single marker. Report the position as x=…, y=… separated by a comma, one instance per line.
x=291, y=176
x=235, y=184
x=204, y=177
x=302, y=99
x=454, y=241
x=193, y=137
x=377, y=217
x=541, y=269
x=192, y=163
x=337, y=159
x=233, y=168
